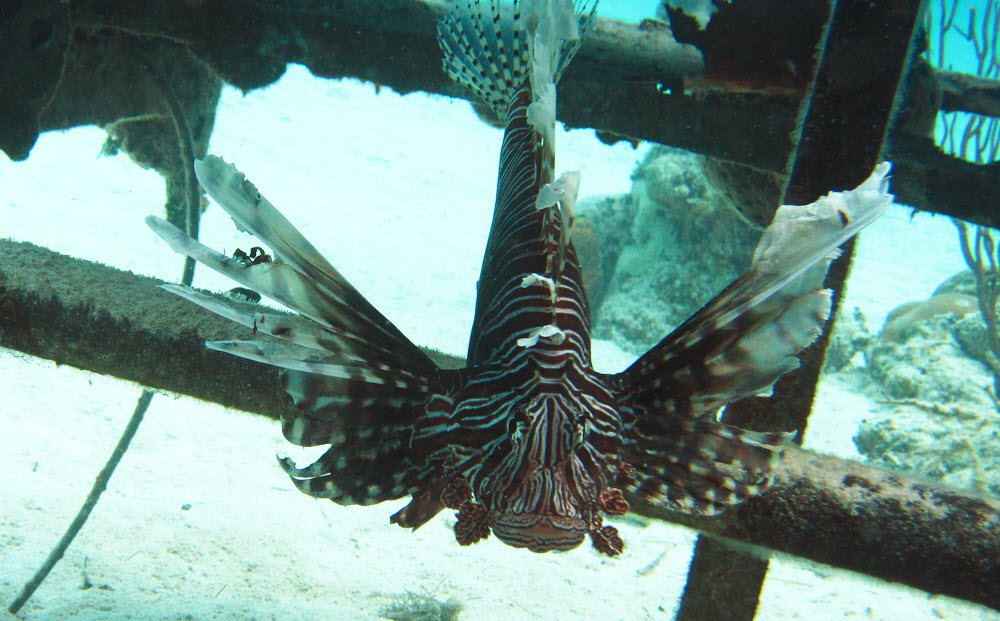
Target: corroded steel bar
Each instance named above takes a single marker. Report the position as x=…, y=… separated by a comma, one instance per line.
x=116, y=323
x=846, y=119
x=857, y=517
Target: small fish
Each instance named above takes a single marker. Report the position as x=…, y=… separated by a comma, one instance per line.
x=528, y=441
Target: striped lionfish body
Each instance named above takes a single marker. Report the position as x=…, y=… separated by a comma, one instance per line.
x=527, y=441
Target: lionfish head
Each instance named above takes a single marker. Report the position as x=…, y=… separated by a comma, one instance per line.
x=546, y=489
x=531, y=465
x=541, y=528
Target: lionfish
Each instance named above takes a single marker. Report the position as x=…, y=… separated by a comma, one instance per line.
x=527, y=440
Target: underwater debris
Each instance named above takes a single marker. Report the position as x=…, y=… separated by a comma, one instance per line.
x=769, y=56
x=100, y=485
x=653, y=564
x=421, y=607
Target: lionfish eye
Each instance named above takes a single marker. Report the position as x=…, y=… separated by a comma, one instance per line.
x=516, y=423
x=579, y=430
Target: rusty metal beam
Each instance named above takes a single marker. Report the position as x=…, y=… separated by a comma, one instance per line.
x=857, y=517
x=116, y=323
x=962, y=92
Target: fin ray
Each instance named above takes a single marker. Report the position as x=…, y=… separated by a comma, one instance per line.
x=702, y=467
x=299, y=277
x=747, y=336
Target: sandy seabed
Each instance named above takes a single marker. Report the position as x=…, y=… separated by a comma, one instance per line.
x=199, y=522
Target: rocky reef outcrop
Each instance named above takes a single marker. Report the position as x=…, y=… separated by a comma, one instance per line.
x=926, y=366
x=664, y=249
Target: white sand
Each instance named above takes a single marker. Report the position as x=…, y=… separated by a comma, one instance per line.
x=397, y=191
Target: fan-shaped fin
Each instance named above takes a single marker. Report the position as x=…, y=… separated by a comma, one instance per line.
x=702, y=467
x=747, y=336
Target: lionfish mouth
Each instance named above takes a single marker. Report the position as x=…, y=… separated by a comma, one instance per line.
x=540, y=532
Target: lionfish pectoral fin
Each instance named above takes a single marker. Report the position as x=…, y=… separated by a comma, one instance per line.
x=349, y=478
x=366, y=416
x=746, y=337
x=291, y=329
x=299, y=277
x=737, y=345
x=366, y=413
x=212, y=304
x=704, y=470
x=358, y=382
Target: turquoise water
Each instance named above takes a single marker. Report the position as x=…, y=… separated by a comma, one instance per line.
x=968, y=50
x=628, y=10
x=960, y=54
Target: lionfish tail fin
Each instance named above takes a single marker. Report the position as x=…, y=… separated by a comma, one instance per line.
x=706, y=468
x=746, y=337
x=491, y=47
